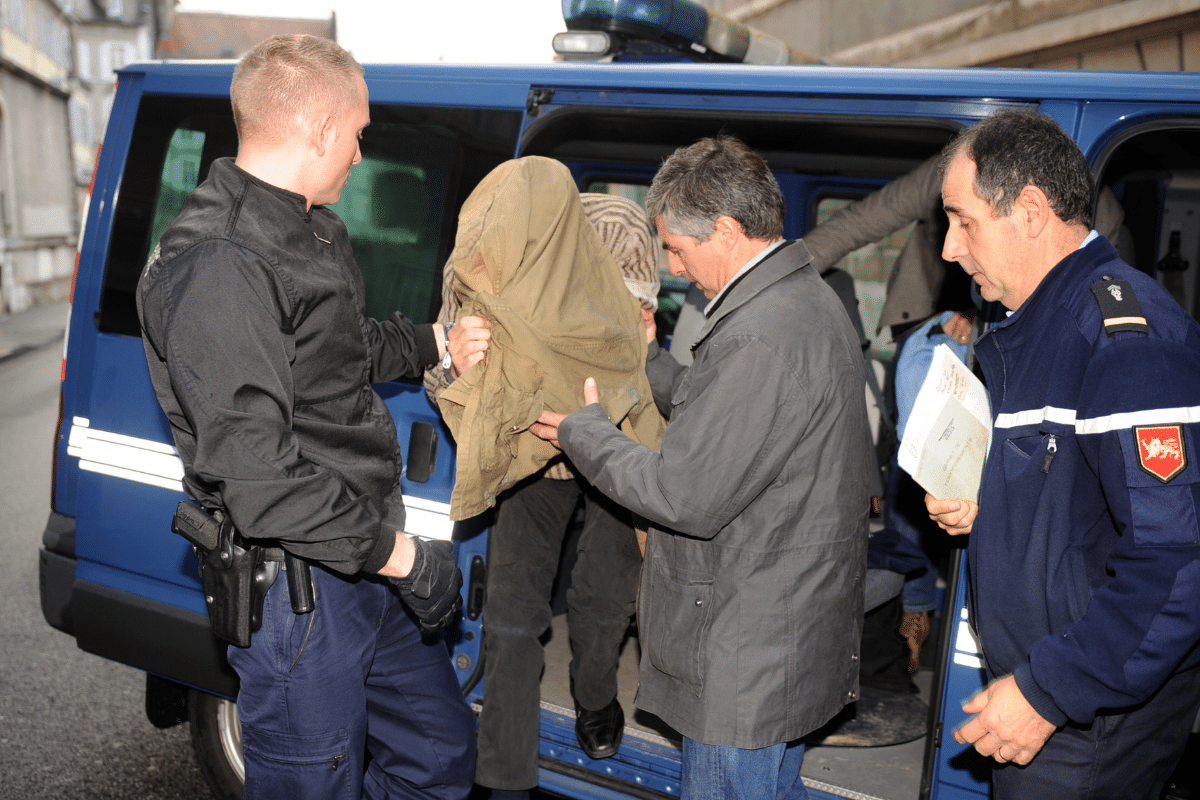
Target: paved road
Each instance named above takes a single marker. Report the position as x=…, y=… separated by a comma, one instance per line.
x=72, y=725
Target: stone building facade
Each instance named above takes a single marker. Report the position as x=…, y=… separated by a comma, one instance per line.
x=1053, y=34
x=58, y=73
x=38, y=214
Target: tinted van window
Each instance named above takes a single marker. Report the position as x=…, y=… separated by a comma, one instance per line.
x=400, y=205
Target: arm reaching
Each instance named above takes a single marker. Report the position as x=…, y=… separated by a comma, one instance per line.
x=547, y=425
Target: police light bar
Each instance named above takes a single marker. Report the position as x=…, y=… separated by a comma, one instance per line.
x=583, y=44
x=683, y=25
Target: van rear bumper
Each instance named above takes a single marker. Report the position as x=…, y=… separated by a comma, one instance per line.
x=56, y=572
x=151, y=636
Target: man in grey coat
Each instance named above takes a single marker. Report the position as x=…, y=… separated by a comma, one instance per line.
x=752, y=590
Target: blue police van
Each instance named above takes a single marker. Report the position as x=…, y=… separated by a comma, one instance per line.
x=114, y=576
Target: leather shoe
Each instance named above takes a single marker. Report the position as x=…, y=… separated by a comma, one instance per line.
x=600, y=732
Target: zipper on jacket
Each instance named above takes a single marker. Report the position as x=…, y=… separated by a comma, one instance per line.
x=1051, y=449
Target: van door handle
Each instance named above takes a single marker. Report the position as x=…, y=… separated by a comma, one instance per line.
x=422, y=451
x=476, y=588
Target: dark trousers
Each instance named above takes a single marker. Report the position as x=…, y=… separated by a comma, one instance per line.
x=523, y=554
x=365, y=681
x=1126, y=756
x=884, y=652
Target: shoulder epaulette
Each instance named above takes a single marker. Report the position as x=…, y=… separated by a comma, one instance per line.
x=1119, y=306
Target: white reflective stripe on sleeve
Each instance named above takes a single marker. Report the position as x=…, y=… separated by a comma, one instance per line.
x=1113, y=422
x=1034, y=416
x=142, y=460
x=1151, y=416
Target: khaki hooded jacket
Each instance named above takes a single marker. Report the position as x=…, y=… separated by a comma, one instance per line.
x=527, y=259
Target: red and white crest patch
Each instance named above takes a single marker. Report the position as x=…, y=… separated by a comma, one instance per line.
x=1160, y=450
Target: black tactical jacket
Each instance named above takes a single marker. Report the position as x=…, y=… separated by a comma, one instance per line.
x=262, y=357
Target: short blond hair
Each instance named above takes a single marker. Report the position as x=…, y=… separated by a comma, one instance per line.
x=287, y=75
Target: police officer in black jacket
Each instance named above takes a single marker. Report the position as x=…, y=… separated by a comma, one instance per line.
x=262, y=357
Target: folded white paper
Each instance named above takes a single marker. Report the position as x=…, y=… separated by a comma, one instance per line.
x=946, y=438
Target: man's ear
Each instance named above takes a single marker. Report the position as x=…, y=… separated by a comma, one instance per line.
x=322, y=130
x=1033, y=210
x=728, y=229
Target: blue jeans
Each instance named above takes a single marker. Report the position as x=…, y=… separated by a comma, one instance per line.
x=363, y=681
x=715, y=772
x=904, y=512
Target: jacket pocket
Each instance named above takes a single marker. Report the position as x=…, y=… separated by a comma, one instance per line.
x=680, y=396
x=681, y=610
x=1029, y=453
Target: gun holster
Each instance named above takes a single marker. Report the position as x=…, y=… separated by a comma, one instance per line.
x=235, y=575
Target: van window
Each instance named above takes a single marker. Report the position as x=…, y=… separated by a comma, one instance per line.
x=181, y=174
x=400, y=204
x=1152, y=214
x=392, y=205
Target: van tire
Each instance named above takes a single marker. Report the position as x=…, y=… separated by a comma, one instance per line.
x=217, y=743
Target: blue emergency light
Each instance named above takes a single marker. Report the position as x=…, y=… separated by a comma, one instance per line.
x=603, y=28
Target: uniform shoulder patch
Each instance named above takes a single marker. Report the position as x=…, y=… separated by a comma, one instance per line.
x=1119, y=306
x=1160, y=450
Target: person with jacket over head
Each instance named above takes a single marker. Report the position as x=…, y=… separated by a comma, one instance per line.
x=262, y=357
x=1084, y=556
x=534, y=516
x=751, y=599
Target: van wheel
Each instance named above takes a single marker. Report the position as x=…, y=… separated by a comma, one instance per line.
x=217, y=743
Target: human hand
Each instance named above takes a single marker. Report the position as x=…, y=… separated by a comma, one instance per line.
x=468, y=343
x=547, y=425
x=651, y=326
x=958, y=327
x=431, y=588
x=1005, y=727
x=955, y=517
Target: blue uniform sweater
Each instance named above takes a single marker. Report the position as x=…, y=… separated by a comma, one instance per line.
x=1084, y=560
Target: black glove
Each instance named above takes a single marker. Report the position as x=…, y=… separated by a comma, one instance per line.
x=431, y=587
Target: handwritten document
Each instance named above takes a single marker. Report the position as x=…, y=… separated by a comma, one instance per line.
x=946, y=438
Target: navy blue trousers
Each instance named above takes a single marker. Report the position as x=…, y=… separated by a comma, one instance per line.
x=365, y=682
x=1126, y=756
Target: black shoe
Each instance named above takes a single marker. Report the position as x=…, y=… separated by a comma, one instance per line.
x=600, y=732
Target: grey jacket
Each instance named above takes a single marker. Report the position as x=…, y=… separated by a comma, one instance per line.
x=751, y=597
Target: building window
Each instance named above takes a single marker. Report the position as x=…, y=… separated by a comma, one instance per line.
x=53, y=37
x=114, y=56
x=16, y=14
x=113, y=9
x=81, y=121
x=84, y=63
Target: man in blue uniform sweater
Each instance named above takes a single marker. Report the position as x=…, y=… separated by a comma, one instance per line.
x=1085, y=556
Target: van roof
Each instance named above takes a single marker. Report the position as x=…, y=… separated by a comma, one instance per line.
x=211, y=77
